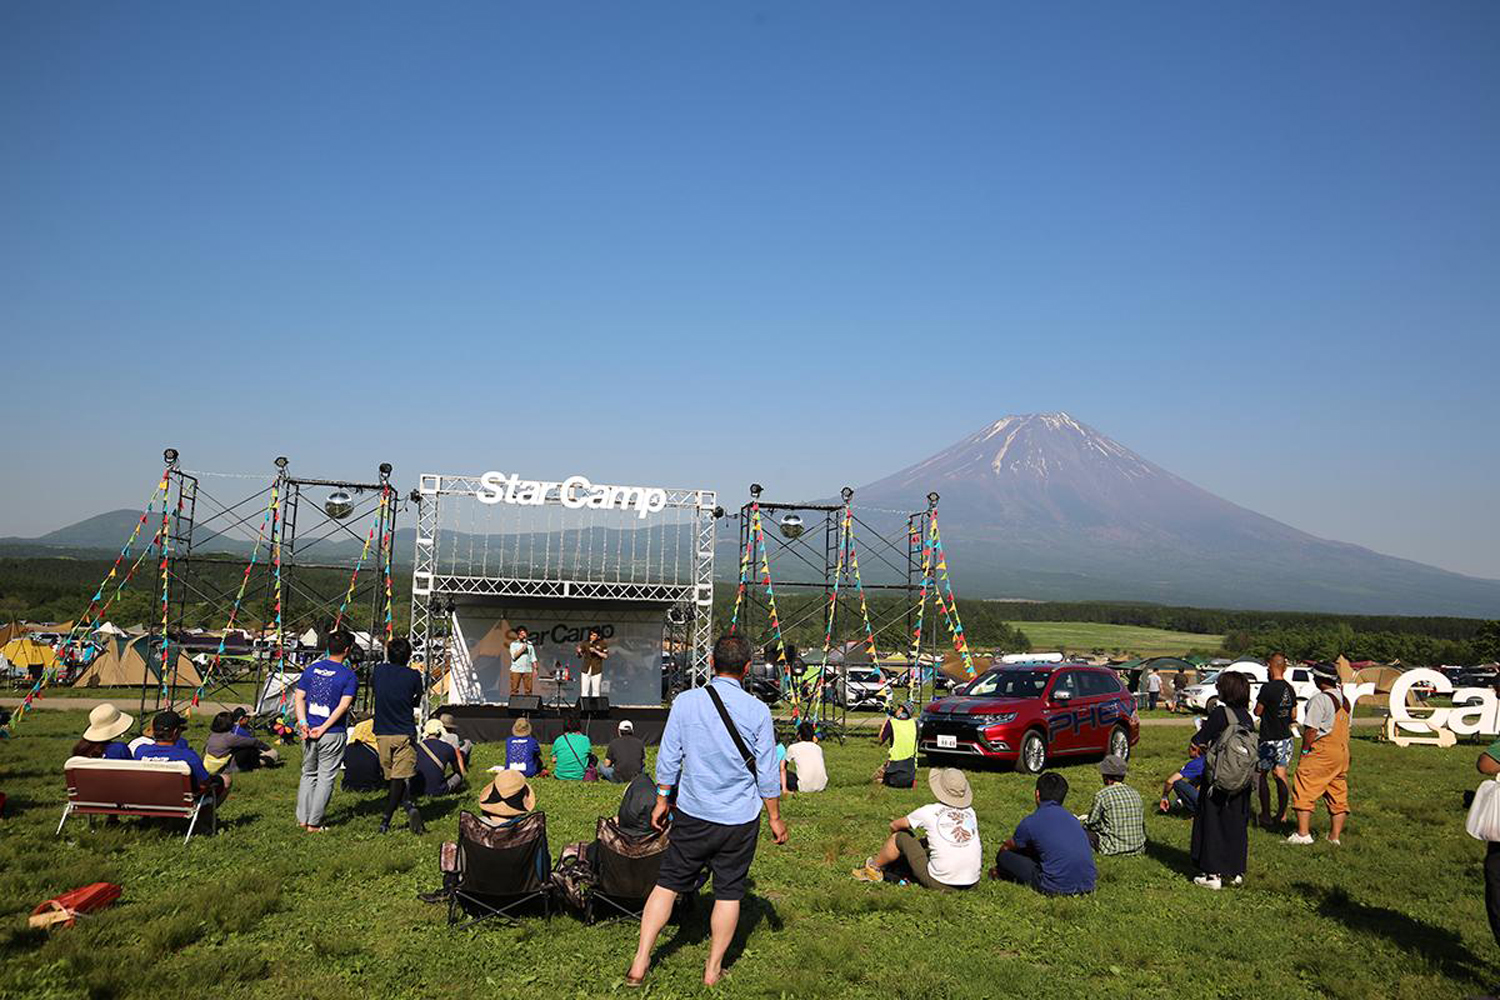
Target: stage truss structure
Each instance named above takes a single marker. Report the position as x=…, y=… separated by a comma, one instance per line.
x=545, y=549
x=805, y=567
x=308, y=554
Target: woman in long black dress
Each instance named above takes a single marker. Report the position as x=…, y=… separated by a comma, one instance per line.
x=1221, y=826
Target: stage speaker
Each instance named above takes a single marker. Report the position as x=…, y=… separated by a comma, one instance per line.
x=520, y=704
x=594, y=706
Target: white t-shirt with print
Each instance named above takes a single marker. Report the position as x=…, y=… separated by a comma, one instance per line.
x=521, y=657
x=807, y=758
x=954, y=856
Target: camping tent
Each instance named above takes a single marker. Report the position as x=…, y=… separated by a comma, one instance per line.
x=128, y=663
x=109, y=628
x=28, y=653
x=270, y=699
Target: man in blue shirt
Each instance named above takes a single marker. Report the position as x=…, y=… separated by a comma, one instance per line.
x=719, y=792
x=324, y=693
x=1184, y=783
x=167, y=747
x=1049, y=851
x=398, y=690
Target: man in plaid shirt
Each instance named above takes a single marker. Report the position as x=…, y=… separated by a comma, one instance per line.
x=1117, y=822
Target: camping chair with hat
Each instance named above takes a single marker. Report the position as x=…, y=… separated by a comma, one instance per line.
x=502, y=861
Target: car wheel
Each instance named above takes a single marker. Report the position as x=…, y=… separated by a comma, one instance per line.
x=1033, y=756
x=1119, y=743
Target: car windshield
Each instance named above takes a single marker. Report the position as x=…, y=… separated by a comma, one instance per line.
x=863, y=676
x=1010, y=684
x=1209, y=678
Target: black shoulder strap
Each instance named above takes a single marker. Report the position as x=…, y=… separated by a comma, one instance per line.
x=734, y=733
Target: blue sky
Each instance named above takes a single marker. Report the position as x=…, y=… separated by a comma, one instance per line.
x=805, y=244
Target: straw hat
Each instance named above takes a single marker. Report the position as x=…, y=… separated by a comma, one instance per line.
x=106, y=722
x=950, y=787
x=508, y=795
x=434, y=728
x=521, y=727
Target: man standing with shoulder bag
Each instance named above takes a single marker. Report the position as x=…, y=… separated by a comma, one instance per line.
x=718, y=754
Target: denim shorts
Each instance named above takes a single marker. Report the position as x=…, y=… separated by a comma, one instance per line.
x=1275, y=753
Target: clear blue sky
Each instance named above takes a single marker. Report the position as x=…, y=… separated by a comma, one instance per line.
x=805, y=244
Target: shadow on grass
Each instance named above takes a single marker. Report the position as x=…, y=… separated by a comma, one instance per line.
x=694, y=928
x=1175, y=858
x=1437, y=945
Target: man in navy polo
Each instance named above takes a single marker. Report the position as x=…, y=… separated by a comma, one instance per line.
x=1050, y=851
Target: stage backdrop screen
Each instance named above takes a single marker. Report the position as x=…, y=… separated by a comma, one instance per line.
x=632, y=671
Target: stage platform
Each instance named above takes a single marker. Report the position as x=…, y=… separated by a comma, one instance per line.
x=492, y=723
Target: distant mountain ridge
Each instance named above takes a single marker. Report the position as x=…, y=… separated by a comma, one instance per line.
x=1043, y=506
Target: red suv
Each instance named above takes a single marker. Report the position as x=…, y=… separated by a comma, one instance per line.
x=1032, y=713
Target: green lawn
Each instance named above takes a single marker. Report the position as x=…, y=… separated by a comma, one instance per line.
x=265, y=910
x=1084, y=637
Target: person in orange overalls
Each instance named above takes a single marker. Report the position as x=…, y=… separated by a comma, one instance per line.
x=1323, y=771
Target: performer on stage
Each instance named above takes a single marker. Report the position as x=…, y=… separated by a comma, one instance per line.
x=522, y=662
x=592, y=653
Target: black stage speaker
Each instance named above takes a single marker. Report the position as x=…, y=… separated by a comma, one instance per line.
x=521, y=704
x=594, y=706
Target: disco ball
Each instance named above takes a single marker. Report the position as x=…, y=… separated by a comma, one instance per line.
x=791, y=526
x=339, y=504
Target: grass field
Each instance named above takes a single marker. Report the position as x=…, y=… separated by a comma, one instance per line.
x=266, y=910
x=1084, y=637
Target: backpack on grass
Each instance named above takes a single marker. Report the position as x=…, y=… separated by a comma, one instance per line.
x=1230, y=762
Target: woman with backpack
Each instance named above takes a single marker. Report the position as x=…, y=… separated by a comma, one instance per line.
x=1221, y=826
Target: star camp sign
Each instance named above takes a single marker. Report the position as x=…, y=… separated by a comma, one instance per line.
x=1475, y=710
x=574, y=493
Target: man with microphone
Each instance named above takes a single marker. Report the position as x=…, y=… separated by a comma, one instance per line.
x=522, y=662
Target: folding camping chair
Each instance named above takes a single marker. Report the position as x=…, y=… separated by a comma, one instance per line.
x=500, y=869
x=625, y=869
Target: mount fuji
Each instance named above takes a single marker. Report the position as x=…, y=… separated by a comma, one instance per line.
x=1043, y=506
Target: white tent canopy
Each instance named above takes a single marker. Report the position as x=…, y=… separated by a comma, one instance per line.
x=109, y=628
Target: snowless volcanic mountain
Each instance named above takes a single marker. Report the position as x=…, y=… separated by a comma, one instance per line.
x=1042, y=506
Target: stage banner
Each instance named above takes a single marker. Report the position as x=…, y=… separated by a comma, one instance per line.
x=632, y=671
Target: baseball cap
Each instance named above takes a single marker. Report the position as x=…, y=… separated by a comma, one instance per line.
x=626, y=726
x=167, y=721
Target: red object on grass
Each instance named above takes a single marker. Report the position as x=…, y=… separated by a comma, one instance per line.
x=64, y=909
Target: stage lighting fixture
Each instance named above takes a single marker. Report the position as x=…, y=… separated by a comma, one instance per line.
x=281, y=462
x=791, y=526
x=170, y=455
x=385, y=469
x=339, y=504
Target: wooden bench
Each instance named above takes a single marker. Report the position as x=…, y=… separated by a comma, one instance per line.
x=135, y=788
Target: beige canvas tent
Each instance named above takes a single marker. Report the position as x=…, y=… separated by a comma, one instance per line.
x=128, y=663
x=953, y=666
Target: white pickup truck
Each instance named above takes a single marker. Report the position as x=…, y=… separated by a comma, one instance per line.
x=1202, y=697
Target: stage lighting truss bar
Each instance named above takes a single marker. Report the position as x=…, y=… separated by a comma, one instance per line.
x=459, y=586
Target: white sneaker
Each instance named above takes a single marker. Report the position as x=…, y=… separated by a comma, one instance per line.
x=1335, y=843
x=1209, y=882
x=1300, y=838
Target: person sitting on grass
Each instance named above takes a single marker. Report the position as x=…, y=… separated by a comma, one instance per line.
x=522, y=752
x=464, y=747
x=949, y=856
x=167, y=746
x=1116, y=824
x=625, y=757
x=441, y=767
x=900, y=767
x=100, y=739
x=1183, y=784
x=226, y=752
x=1049, y=851
x=571, y=750
x=803, y=769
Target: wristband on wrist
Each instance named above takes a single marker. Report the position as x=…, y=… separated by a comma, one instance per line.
x=665, y=791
